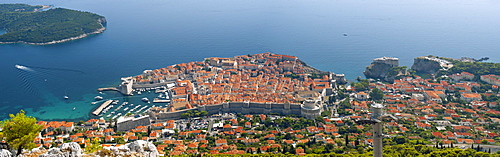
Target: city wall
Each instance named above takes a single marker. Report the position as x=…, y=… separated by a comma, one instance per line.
x=236, y=107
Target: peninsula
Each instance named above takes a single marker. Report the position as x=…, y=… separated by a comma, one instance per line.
x=32, y=25
x=258, y=83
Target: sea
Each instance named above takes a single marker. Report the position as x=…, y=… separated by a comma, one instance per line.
x=341, y=36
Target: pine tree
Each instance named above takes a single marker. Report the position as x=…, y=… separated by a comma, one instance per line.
x=20, y=130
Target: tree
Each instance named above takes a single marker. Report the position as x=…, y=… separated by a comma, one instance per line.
x=94, y=146
x=20, y=130
x=400, y=139
x=376, y=94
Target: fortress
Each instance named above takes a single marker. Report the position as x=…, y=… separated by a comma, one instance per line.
x=393, y=62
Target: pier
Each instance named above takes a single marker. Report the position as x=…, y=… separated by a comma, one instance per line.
x=107, y=89
x=103, y=105
x=156, y=100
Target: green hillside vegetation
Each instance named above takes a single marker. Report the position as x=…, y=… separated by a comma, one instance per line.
x=18, y=8
x=45, y=26
x=395, y=151
x=476, y=68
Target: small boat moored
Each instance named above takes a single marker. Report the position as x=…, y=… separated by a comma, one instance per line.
x=98, y=98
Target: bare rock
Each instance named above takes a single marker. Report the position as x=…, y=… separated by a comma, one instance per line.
x=53, y=152
x=5, y=153
x=71, y=149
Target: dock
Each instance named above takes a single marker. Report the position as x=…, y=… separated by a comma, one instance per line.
x=156, y=100
x=100, y=108
x=107, y=89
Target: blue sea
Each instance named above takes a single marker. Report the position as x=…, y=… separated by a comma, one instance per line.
x=150, y=34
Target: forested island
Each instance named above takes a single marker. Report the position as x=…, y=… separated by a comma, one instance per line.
x=30, y=25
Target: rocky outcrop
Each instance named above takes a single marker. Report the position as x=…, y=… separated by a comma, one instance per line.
x=426, y=65
x=147, y=149
x=5, y=152
x=71, y=149
x=136, y=148
x=380, y=68
x=102, y=21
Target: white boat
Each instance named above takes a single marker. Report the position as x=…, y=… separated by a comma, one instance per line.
x=139, y=93
x=126, y=108
x=98, y=98
x=145, y=99
x=65, y=97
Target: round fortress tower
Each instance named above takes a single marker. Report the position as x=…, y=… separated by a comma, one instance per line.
x=310, y=109
x=309, y=104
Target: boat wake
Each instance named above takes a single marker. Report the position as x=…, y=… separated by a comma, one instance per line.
x=30, y=68
x=41, y=81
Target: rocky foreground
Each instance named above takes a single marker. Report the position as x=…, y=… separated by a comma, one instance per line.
x=73, y=149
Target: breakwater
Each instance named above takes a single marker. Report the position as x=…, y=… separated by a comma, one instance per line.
x=100, y=108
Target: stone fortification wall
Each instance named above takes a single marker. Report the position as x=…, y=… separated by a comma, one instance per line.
x=136, y=85
x=132, y=123
x=168, y=115
x=236, y=107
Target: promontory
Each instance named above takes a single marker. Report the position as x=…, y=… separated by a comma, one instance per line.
x=43, y=25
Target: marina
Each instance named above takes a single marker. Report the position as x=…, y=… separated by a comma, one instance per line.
x=133, y=104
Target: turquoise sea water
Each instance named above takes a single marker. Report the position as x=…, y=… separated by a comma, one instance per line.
x=150, y=34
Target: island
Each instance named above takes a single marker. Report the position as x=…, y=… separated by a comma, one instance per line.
x=35, y=25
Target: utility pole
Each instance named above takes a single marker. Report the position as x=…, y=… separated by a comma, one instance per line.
x=376, y=120
x=377, y=130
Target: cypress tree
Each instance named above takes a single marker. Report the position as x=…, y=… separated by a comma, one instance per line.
x=346, y=140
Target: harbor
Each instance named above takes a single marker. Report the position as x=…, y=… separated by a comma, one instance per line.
x=139, y=102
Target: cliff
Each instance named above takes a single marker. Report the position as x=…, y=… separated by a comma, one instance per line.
x=428, y=65
x=381, y=68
